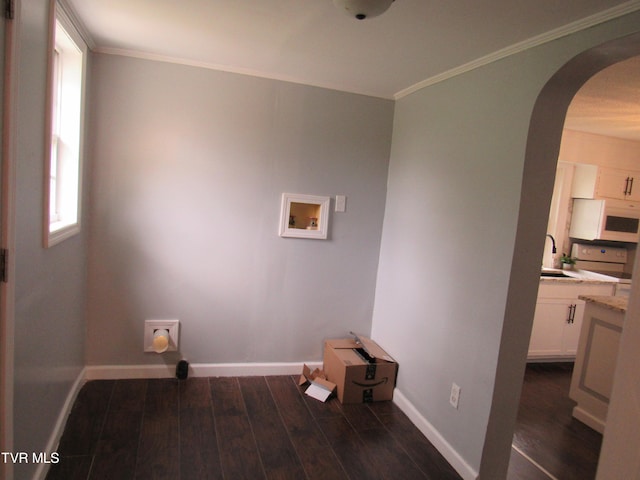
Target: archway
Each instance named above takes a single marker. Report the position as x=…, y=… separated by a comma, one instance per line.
x=543, y=146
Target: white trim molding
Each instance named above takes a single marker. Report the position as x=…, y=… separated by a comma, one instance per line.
x=58, y=428
x=448, y=452
x=9, y=110
x=120, y=372
x=596, y=19
x=584, y=23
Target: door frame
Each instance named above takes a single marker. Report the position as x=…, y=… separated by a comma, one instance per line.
x=541, y=156
x=8, y=71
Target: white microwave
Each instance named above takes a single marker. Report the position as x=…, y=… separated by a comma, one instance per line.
x=614, y=220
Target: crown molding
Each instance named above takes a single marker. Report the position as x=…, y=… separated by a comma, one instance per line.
x=154, y=57
x=587, y=22
x=77, y=23
x=582, y=24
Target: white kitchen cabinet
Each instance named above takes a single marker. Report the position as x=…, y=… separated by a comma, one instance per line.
x=593, y=181
x=558, y=318
x=592, y=379
x=556, y=328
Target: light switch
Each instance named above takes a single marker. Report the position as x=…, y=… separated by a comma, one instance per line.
x=341, y=203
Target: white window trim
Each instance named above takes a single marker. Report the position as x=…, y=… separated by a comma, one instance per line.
x=54, y=231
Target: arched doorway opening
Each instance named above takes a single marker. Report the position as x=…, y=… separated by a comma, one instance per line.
x=618, y=458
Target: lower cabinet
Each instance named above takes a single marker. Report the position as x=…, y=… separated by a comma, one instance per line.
x=556, y=327
x=558, y=318
x=595, y=367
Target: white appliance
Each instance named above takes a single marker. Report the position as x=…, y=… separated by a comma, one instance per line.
x=611, y=220
x=607, y=262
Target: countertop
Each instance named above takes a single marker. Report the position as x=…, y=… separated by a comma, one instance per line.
x=577, y=276
x=618, y=304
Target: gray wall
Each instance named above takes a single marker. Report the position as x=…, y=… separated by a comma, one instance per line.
x=50, y=288
x=189, y=168
x=451, y=224
x=448, y=235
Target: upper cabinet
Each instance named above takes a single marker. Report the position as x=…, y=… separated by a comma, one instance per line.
x=592, y=181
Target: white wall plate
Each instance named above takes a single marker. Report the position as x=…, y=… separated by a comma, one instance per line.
x=150, y=326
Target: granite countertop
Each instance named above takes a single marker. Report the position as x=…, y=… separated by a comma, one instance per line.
x=618, y=304
x=577, y=276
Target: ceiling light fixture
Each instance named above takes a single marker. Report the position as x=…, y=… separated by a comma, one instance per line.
x=362, y=9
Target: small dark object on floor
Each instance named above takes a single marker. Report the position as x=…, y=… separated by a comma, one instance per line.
x=182, y=370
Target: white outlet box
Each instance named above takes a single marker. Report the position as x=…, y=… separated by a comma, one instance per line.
x=172, y=326
x=454, y=398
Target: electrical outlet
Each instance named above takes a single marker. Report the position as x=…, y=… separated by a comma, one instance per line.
x=454, y=398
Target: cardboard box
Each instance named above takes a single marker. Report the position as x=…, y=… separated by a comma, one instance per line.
x=361, y=370
x=319, y=387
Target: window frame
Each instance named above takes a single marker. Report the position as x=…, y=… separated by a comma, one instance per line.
x=69, y=166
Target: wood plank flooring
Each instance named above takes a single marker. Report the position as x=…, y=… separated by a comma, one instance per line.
x=265, y=427
x=237, y=428
x=547, y=434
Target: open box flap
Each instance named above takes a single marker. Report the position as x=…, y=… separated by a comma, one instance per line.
x=374, y=350
x=319, y=387
x=324, y=383
x=316, y=376
x=342, y=343
x=371, y=347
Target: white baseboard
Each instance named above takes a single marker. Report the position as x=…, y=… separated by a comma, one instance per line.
x=58, y=428
x=248, y=369
x=121, y=372
x=116, y=372
x=438, y=441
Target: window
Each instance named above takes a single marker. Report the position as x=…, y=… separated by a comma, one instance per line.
x=64, y=160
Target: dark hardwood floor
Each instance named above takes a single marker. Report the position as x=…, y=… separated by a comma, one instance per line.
x=547, y=433
x=265, y=427
x=236, y=428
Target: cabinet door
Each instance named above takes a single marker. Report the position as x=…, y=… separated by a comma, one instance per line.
x=547, y=335
x=614, y=183
x=558, y=318
x=633, y=193
x=571, y=332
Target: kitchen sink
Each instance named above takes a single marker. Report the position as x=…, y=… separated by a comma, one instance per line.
x=553, y=273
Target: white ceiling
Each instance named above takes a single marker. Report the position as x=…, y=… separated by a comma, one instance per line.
x=312, y=42
x=609, y=103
